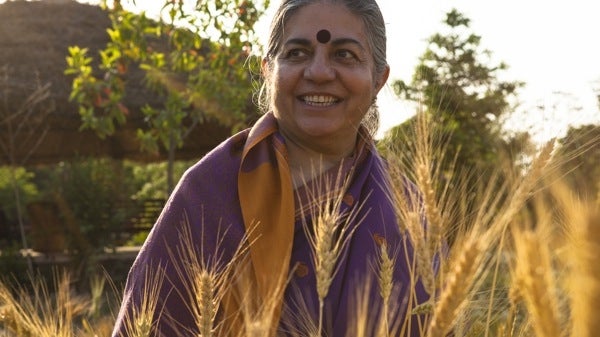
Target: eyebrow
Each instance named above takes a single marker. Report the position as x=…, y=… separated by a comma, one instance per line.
x=334, y=42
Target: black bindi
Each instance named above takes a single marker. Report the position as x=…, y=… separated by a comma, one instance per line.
x=323, y=36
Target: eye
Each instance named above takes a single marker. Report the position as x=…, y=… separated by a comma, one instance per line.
x=295, y=54
x=346, y=55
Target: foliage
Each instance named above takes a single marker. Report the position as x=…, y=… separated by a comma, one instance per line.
x=99, y=193
x=25, y=183
x=196, y=62
x=12, y=263
x=456, y=84
x=95, y=198
x=137, y=239
x=581, y=149
x=193, y=59
x=96, y=192
x=149, y=179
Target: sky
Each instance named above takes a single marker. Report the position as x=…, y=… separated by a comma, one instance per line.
x=553, y=46
x=550, y=45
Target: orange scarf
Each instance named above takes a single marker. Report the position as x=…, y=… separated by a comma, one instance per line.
x=267, y=203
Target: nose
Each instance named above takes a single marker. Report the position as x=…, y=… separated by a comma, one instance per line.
x=319, y=69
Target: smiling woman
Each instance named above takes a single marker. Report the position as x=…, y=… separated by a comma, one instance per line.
x=321, y=92
x=297, y=208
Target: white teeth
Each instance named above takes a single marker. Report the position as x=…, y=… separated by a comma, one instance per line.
x=319, y=100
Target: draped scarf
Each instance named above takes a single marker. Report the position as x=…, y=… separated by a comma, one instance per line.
x=269, y=208
x=266, y=199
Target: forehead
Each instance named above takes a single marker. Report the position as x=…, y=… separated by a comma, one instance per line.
x=335, y=18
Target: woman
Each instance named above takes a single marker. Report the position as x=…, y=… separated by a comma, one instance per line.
x=254, y=202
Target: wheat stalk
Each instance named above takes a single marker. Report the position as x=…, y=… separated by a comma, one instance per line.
x=43, y=312
x=385, y=277
x=456, y=290
x=10, y=313
x=330, y=231
x=583, y=221
x=360, y=325
x=431, y=210
x=534, y=282
x=140, y=320
x=207, y=274
x=257, y=316
x=526, y=186
x=410, y=221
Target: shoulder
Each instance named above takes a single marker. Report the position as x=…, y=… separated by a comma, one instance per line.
x=207, y=191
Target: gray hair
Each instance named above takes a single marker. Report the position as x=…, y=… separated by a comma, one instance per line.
x=374, y=24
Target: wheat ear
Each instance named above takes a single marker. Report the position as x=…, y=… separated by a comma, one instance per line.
x=140, y=322
x=330, y=230
x=207, y=274
x=456, y=290
x=385, y=276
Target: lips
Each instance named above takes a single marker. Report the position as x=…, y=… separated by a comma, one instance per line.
x=319, y=100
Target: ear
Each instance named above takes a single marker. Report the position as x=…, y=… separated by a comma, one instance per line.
x=382, y=79
x=264, y=67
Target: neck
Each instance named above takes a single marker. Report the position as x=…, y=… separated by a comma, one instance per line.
x=307, y=162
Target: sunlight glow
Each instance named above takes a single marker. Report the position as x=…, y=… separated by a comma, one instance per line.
x=550, y=46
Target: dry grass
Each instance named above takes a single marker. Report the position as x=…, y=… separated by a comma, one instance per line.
x=44, y=311
x=141, y=321
x=523, y=263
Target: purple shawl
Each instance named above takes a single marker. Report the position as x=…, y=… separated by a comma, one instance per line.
x=207, y=198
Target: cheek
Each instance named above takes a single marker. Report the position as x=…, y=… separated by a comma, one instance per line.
x=282, y=84
x=360, y=81
x=274, y=87
x=278, y=95
x=365, y=91
x=283, y=75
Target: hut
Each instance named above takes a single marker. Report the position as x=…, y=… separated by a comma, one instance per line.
x=34, y=41
x=38, y=123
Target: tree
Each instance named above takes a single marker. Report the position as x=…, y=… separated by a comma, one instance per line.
x=196, y=60
x=580, y=148
x=23, y=128
x=457, y=86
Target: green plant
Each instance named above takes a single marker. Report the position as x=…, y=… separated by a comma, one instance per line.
x=149, y=179
x=12, y=264
x=195, y=61
x=28, y=190
x=137, y=239
x=96, y=191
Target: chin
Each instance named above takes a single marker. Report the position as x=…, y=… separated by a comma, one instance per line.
x=319, y=130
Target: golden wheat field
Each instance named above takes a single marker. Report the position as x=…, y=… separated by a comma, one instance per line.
x=518, y=257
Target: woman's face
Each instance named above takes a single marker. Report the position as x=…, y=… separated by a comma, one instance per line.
x=322, y=80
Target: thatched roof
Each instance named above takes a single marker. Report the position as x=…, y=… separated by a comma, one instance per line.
x=34, y=41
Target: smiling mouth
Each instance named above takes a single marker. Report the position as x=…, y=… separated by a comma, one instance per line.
x=319, y=100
